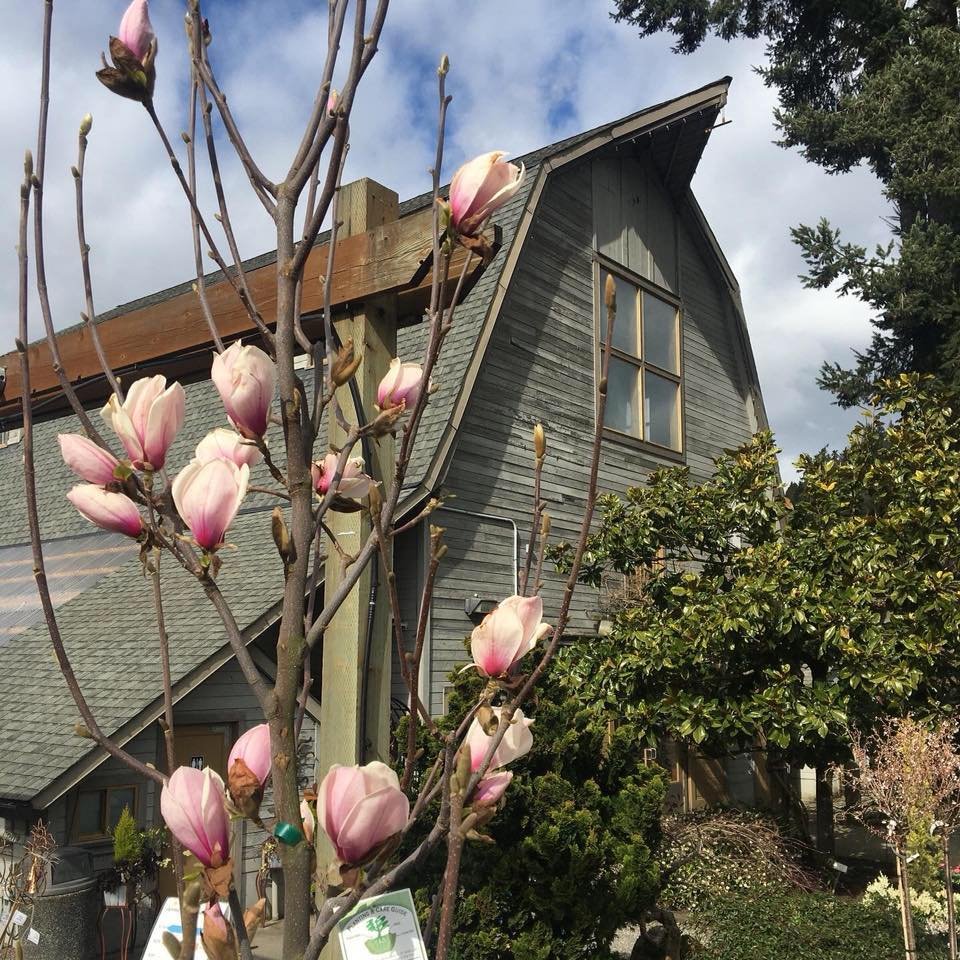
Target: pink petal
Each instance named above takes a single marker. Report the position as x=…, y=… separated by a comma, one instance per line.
x=376, y=817
x=253, y=748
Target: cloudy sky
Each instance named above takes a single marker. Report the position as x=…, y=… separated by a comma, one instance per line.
x=525, y=73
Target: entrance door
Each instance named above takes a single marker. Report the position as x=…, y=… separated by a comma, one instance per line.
x=196, y=747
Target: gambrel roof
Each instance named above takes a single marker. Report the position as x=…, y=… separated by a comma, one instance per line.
x=106, y=616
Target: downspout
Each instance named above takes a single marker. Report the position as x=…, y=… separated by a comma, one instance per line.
x=496, y=519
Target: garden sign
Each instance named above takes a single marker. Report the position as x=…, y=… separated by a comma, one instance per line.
x=385, y=927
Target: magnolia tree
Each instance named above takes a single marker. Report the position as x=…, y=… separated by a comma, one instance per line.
x=183, y=511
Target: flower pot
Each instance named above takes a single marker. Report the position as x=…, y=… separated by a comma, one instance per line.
x=115, y=898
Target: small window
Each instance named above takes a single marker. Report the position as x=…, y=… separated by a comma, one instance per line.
x=643, y=387
x=98, y=811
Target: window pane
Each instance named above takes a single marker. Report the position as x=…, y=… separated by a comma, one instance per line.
x=660, y=411
x=625, y=324
x=660, y=333
x=89, y=814
x=623, y=409
x=121, y=797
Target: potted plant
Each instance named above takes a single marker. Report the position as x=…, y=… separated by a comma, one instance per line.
x=137, y=858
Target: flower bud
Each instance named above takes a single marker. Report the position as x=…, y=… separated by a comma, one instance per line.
x=193, y=805
x=109, y=511
x=148, y=419
x=248, y=768
x=346, y=363
x=333, y=102
x=245, y=378
x=507, y=635
x=207, y=497
x=360, y=808
x=479, y=188
x=444, y=67
x=539, y=442
x=400, y=386
x=86, y=124
x=88, y=460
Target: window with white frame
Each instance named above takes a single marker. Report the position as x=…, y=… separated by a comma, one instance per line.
x=643, y=388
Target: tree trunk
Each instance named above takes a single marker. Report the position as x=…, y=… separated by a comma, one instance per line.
x=951, y=914
x=825, y=834
x=906, y=911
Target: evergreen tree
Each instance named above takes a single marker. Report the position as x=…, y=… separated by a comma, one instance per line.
x=873, y=82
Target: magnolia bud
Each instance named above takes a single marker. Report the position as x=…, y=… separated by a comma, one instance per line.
x=487, y=719
x=545, y=525
x=463, y=770
x=385, y=422
x=610, y=294
x=444, y=67
x=281, y=535
x=539, y=442
x=86, y=124
x=346, y=363
x=28, y=164
x=81, y=730
x=376, y=501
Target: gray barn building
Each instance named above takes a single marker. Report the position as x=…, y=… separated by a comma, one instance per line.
x=524, y=349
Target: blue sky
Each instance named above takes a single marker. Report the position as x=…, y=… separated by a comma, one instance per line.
x=524, y=73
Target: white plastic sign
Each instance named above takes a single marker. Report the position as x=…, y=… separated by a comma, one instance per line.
x=382, y=928
x=168, y=921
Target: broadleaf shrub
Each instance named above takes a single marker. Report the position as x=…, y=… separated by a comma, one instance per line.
x=575, y=852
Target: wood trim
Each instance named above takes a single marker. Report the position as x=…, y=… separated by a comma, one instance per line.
x=392, y=258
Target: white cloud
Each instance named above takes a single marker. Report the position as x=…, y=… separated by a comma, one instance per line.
x=524, y=74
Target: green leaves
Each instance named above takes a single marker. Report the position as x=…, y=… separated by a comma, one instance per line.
x=754, y=618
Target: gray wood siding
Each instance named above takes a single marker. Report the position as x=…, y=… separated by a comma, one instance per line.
x=540, y=367
x=222, y=700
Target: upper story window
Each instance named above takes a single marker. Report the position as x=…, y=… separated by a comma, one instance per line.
x=643, y=389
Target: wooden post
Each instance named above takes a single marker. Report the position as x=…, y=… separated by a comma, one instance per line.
x=363, y=205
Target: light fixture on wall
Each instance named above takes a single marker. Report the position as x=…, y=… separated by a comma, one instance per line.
x=476, y=607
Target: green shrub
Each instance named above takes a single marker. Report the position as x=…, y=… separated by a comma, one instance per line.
x=574, y=857
x=800, y=926
x=127, y=839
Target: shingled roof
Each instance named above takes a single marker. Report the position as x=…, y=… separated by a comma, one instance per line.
x=107, y=617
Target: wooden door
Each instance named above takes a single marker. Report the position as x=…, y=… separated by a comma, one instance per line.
x=196, y=747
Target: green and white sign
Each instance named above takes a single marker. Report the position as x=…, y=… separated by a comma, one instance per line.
x=384, y=927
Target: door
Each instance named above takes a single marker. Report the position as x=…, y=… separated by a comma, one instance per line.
x=195, y=747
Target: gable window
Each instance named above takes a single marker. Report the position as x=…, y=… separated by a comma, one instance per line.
x=643, y=389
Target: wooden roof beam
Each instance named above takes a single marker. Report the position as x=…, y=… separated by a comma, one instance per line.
x=388, y=259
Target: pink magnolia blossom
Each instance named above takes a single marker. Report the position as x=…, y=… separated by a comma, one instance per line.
x=479, y=188
x=354, y=483
x=253, y=748
x=88, y=460
x=193, y=805
x=332, y=102
x=360, y=808
x=401, y=384
x=507, y=634
x=245, y=378
x=148, y=420
x=219, y=940
x=516, y=743
x=111, y=511
x=491, y=788
x=207, y=496
x=224, y=444
x=136, y=31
